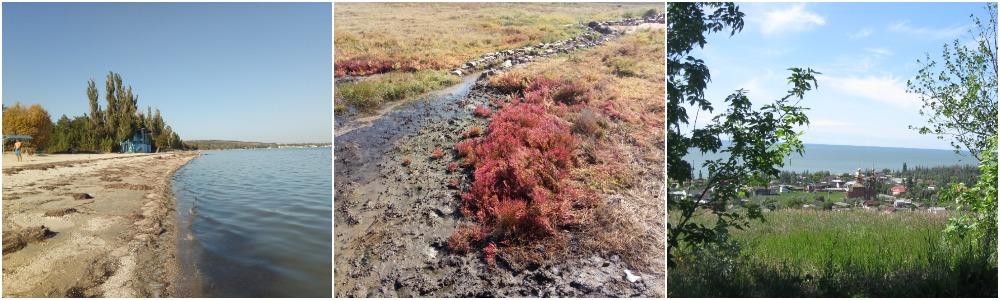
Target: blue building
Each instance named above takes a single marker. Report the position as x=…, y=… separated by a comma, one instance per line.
x=138, y=143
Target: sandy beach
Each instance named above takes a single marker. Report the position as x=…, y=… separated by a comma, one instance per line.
x=90, y=225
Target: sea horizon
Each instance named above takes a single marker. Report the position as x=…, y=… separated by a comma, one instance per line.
x=848, y=158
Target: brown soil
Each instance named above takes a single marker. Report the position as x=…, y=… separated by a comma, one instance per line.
x=59, y=212
x=113, y=239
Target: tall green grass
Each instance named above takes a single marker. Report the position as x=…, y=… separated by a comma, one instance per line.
x=369, y=94
x=804, y=253
x=797, y=198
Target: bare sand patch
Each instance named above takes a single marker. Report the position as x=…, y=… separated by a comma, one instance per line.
x=111, y=224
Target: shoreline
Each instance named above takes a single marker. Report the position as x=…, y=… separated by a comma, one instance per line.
x=177, y=280
x=108, y=224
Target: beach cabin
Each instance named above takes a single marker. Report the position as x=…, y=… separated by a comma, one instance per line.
x=138, y=143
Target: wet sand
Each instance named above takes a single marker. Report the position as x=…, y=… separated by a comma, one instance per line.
x=90, y=225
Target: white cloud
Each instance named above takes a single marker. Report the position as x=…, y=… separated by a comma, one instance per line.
x=755, y=91
x=863, y=33
x=880, y=51
x=885, y=89
x=927, y=32
x=830, y=124
x=794, y=18
x=973, y=44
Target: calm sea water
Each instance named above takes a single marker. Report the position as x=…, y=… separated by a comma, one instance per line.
x=256, y=223
x=847, y=159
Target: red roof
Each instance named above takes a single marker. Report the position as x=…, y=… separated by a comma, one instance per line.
x=899, y=189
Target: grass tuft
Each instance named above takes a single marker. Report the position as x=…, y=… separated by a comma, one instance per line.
x=370, y=94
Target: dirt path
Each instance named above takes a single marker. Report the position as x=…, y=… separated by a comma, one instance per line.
x=84, y=226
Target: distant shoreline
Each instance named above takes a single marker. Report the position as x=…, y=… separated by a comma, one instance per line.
x=848, y=158
x=229, y=144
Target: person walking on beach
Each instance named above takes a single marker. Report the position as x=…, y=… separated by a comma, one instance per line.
x=17, y=150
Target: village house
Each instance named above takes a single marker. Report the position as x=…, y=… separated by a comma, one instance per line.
x=898, y=189
x=138, y=143
x=858, y=188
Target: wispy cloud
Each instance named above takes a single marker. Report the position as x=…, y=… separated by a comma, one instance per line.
x=756, y=91
x=830, y=123
x=794, y=18
x=879, y=51
x=973, y=43
x=946, y=32
x=863, y=33
x=884, y=89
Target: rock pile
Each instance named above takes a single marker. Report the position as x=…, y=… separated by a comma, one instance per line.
x=595, y=33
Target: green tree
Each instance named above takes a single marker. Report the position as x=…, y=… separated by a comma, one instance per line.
x=759, y=140
x=979, y=203
x=959, y=93
x=904, y=167
x=960, y=100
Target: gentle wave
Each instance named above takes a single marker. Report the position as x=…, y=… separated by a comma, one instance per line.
x=262, y=221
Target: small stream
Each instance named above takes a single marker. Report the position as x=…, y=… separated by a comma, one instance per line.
x=361, y=140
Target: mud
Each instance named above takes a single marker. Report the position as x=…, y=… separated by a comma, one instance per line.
x=18, y=239
x=396, y=205
x=114, y=241
x=60, y=212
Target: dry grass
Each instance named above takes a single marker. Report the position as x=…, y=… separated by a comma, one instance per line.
x=410, y=36
x=624, y=163
x=415, y=44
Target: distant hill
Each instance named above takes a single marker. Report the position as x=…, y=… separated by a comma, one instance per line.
x=224, y=144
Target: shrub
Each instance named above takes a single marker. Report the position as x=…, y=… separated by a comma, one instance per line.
x=490, y=253
x=437, y=153
x=459, y=240
x=473, y=132
x=452, y=167
x=588, y=123
x=545, y=90
x=650, y=13
x=481, y=111
x=464, y=148
x=540, y=90
x=406, y=161
x=518, y=192
x=623, y=66
x=572, y=92
x=508, y=82
x=362, y=66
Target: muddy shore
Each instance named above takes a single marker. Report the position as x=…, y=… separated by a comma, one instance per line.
x=90, y=225
x=392, y=218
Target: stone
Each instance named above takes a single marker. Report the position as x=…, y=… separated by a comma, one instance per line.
x=631, y=277
x=457, y=72
x=507, y=64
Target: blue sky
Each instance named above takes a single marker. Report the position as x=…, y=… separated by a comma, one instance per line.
x=253, y=72
x=866, y=52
